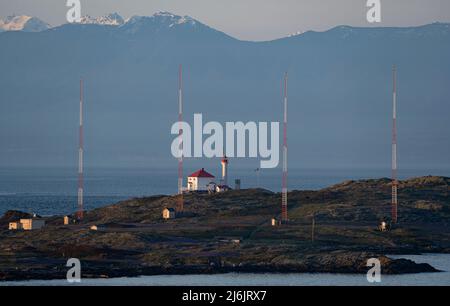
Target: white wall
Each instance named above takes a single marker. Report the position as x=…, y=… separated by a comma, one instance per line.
x=199, y=183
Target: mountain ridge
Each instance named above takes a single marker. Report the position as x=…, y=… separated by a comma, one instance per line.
x=116, y=20
x=339, y=80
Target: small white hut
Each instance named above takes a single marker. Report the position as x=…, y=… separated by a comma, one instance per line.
x=168, y=213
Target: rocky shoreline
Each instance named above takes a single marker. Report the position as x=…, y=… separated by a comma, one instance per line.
x=231, y=232
x=105, y=270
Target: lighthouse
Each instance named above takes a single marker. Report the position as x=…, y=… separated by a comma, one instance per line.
x=224, y=170
x=223, y=186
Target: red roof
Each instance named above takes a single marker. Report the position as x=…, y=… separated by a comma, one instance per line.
x=201, y=173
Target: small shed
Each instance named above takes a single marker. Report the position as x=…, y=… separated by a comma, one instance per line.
x=32, y=223
x=274, y=222
x=15, y=226
x=383, y=227
x=168, y=213
x=67, y=220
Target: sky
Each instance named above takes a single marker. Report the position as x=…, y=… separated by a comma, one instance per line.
x=249, y=19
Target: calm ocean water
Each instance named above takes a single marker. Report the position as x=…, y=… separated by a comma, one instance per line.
x=439, y=261
x=49, y=191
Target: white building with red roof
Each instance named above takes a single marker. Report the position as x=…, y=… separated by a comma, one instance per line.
x=200, y=180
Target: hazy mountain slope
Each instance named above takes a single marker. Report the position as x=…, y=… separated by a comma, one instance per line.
x=339, y=90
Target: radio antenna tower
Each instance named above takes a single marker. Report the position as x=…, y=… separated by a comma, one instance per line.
x=80, y=158
x=284, y=216
x=394, y=146
x=180, y=202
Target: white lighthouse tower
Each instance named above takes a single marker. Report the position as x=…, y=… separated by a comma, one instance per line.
x=224, y=163
x=223, y=186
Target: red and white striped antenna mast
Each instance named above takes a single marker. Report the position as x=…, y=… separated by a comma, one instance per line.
x=80, y=157
x=394, y=203
x=180, y=202
x=284, y=215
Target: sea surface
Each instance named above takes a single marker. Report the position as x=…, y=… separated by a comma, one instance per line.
x=439, y=261
x=49, y=191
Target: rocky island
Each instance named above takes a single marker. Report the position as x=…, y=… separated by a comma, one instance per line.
x=232, y=232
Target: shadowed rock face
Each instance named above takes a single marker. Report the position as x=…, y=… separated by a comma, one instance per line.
x=231, y=232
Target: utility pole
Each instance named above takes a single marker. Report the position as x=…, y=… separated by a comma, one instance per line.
x=80, y=158
x=284, y=214
x=394, y=203
x=180, y=204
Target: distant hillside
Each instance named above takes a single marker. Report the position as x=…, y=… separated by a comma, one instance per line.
x=339, y=91
x=422, y=200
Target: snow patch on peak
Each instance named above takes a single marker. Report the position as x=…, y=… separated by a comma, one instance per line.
x=173, y=19
x=23, y=23
x=112, y=19
x=158, y=21
x=187, y=19
x=164, y=13
x=295, y=34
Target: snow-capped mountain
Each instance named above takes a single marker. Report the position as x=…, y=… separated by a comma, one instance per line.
x=161, y=18
x=158, y=21
x=113, y=19
x=23, y=23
